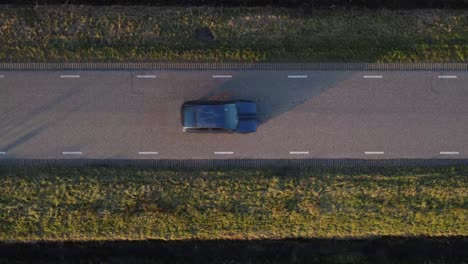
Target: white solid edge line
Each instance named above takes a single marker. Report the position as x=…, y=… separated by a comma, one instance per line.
x=374, y=152
x=72, y=153
x=447, y=76
x=449, y=153
x=372, y=76
x=69, y=76
x=297, y=76
x=223, y=152
x=146, y=76
x=148, y=153
x=299, y=152
x=222, y=76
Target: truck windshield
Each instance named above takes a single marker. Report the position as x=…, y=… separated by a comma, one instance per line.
x=230, y=116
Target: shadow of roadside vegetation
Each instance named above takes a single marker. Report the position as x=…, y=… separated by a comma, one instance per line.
x=370, y=250
x=283, y=3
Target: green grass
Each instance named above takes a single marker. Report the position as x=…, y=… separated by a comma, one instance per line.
x=128, y=203
x=72, y=33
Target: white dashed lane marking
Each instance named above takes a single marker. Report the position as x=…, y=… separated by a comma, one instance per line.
x=222, y=76
x=146, y=76
x=223, y=152
x=449, y=153
x=297, y=76
x=447, y=76
x=374, y=153
x=72, y=153
x=2, y=153
x=372, y=76
x=69, y=76
x=148, y=153
x=299, y=152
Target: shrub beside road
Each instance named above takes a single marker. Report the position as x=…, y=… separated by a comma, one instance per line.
x=82, y=33
x=99, y=203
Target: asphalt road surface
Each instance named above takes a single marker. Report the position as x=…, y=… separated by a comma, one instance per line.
x=303, y=114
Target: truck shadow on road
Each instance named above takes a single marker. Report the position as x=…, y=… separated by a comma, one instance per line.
x=274, y=92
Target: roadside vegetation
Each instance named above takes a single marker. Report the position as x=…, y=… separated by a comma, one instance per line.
x=258, y=34
x=105, y=203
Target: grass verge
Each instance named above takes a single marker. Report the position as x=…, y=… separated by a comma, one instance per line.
x=99, y=203
x=83, y=33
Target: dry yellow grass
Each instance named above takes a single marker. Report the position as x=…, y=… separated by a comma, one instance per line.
x=129, y=203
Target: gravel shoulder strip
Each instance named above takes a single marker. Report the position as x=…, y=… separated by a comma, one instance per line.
x=240, y=163
x=232, y=66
